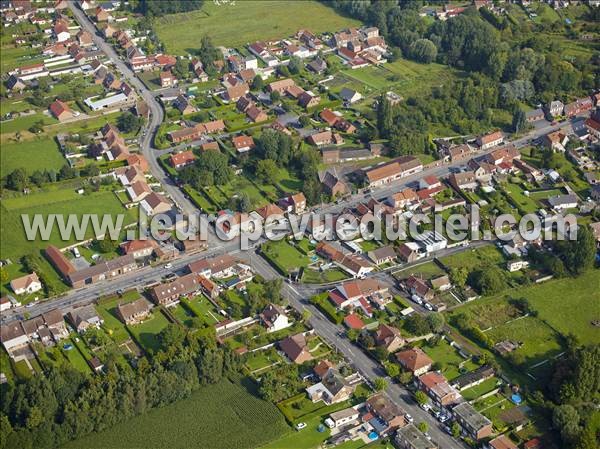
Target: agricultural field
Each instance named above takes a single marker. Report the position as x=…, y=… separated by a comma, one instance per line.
x=13, y=239
x=221, y=416
x=243, y=22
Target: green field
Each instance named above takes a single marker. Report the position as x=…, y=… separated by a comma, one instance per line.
x=539, y=341
x=477, y=258
x=13, y=239
x=285, y=255
x=516, y=193
x=37, y=154
x=452, y=364
x=221, y=416
x=247, y=21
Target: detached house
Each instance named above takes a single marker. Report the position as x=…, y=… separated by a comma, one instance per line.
x=332, y=389
x=83, y=318
x=168, y=294
x=415, y=361
x=274, y=318
x=134, y=312
x=388, y=337
x=183, y=159
x=490, y=140
x=463, y=180
x=389, y=417
x=295, y=348
x=60, y=110
x=243, y=143
x=26, y=284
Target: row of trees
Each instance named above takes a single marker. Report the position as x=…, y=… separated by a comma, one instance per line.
x=63, y=404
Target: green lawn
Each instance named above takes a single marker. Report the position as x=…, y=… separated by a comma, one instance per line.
x=477, y=258
x=425, y=270
x=311, y=276
x=146, y=333
x=478, y=390
x=203, y=308
x=285, y=255
x=452, y=364
x=247, y=21
x=13, y=239
x=107, y=310
x=516, y=193
x=221, y=416
x=539, y=341
x=37, y=154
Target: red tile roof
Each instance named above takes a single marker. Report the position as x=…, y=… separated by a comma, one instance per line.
x=353, y=321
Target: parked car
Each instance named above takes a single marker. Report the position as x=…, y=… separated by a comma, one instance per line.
x=300, y=425
x=409, y=418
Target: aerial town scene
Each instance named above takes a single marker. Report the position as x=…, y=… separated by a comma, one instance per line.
x=300, y=224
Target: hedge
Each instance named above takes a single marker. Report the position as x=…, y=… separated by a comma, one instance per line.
x=323, y=304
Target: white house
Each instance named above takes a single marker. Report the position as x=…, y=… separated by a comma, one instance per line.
x=274, y=318
x=26, y=284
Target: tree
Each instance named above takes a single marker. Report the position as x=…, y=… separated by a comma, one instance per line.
x=392, y=369
x=37, y=127
x=518, y=121
x=258, y=83
x=488, y=281
x=380, y=384
x=171, y=336
x=275, y=96
x=458, y=276
x=416, y=324
x=17, y=180
x=182, y=69
x=423, y=427
x=455, y=430
x=421, y=398
x=107, y=245
x=423, y=50
x=566, y=419
x=266, y=171
x=435, y=321
x=578, y=255
x=129, y=122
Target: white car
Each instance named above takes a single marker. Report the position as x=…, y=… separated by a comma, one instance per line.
x=409, y=418
x=428, y=306
x=167, y=266
x=300, y=425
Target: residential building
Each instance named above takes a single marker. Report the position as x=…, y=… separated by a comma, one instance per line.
x=419, y=287
x=409, y=251
x=350, y=96
x=389, y=416
x=133, y=312
x=243, y=143
x=138, y=248
x=218, y=266
x=473, y=423
x=388, y=337
x=409, y=437
x=274, y=318
x=83, y=318
x=415, y=361
x=438, y=389
x=281, y=86
x=102, y=270
x=325, y=138
x=466, y=180
x=182, y=159
x=392, y=171
x=383, y=255
x=490, y=140
x=535, y=115
x=60, y=110
x=562, y=202
x=295, y=349
x=167, y=79
x=344, y=417
x=332, y=184
x=555, y=108
x=332, y=389
x=354, y=321
x=155, y=204
x=13, y=337
x=27, y=284
x=169, y=294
